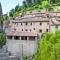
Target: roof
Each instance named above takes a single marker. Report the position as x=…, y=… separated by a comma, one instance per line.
x=37, y=17
x=39, y=13
x=32, y=19
x=17, y=33
x=54, y=21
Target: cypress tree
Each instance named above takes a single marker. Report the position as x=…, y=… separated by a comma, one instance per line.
x=1, y=18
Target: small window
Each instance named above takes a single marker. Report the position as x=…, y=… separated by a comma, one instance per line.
x=56, y=13
x=9, y=37
x=34, y=28
x=26, y=23
x=22, y=29
x=16, y=37
x=14, y=29
x=26, y=29
x=30, y=30
x=47, y=15
x=46, y=30
x=40, y=30
x=40, y=23
x=31, y=23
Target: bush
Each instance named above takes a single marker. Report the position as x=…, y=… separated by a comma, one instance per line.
x=46, y=5
x=49, y=47
x=2, y=39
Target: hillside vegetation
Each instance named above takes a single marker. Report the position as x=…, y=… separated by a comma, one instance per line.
x=29, y=5
x=49, y=47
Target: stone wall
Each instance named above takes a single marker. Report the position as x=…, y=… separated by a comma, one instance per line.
x=22, y=47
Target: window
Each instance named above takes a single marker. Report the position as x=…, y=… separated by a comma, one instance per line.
x=16, y=37
x=40, y=23
x=22, y=29
x=23, y=37
x=9, y=37
x=56, y=13
x=46, y=30
x=14, y=29
x=40, y=30
x=47, y=16
x=31, y=23
x=26, y=30
x=34, y=28
x=26, y=23
x=30, y=30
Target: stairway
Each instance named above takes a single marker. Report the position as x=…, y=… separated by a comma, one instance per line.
x=4, y=55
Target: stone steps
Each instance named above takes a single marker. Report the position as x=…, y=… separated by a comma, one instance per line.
x=4, y=54
x=9, y=58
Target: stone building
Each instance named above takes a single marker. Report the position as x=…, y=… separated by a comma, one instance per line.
x=23, y=32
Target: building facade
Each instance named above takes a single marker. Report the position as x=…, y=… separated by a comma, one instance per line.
x=23, y=32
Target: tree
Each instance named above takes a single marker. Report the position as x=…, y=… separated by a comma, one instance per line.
x=29, y=3
x=5, y=16
x=24, y=4
x=1, y=17
x=37, y=1
x=49, y=47
x=46, y=5
x=2, y=39
x=11, y=13
x=17, y=8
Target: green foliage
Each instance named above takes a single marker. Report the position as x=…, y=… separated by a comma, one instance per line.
x=25, y=58
x=46, y=4
x=11, y=13
x=49, y=47
x=24, y=4
x=5, y=17
x=1, y=17
x=29, y=5
x=17, y=8
x=2, y=39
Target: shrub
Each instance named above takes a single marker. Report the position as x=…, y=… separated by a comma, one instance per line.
x=49, y=47
x=2, y=39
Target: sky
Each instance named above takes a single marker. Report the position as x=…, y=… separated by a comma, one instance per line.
x=7, y=5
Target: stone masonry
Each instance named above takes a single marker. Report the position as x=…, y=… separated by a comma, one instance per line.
x=4, y=55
